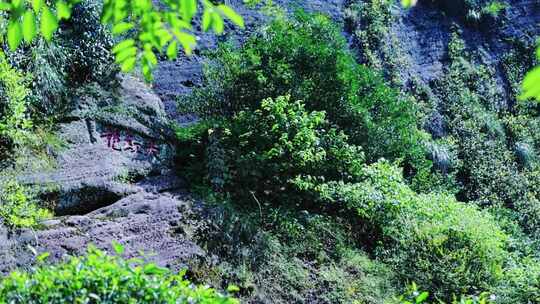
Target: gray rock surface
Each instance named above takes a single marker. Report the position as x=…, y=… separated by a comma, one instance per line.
x=108, y=150
x=152, y=224
x=425, y=31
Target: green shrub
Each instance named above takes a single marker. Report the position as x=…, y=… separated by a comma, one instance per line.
x=18, y=206
x=307, y=58
x=192, y=158
x=496, y=146
x=14, y=122
x=281, y=147
x=521, y=282
x=100, y=278
x=446, y=246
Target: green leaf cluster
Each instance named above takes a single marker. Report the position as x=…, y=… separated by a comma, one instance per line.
x=146, y=28
x=449, y=247
x=28, y=18
x=281, y=148
x=14, y=121
x=18, y=206
x=160, y=28
x=100, y=278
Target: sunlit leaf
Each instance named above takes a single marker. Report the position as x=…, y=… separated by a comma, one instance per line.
x=217, y=23
x=42, y=257
x=14, y=34
x=531, y=85
x=188, y=42
x=118, y=248
x=29, y=26
x=147, y=71
x=62, y=10
x=231, y=15
x=4, y=6
x=121, y=28
x=128, y=64
x=122, y=45
x=188, y=9
x=36, y=5
x=150, y=56
x=206, y=20
x=422, y=297
x=408, y=3
x=125, y=53
x=172, y=50
x=49, y=23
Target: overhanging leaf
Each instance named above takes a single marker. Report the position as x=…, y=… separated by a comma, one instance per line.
x=531, y=85
x=14, y=34
x=128, y=64
x=29, y=26
x=63, y=10
x=36, y=5
x=49, y=23
x=206, y=20
x=188, y=9
x=122, y=45
x=121, y=28
x=231, y=15
x=217, y=23
x=172, y=50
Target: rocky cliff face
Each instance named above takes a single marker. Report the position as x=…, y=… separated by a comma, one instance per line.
x=424, y=33
x=115, y=181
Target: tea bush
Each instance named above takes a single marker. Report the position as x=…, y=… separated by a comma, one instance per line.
x=100, y=278
x=448, y=247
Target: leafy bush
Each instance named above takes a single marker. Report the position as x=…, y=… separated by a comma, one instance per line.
x=496, y=146
x=101, y=278
x=307, y=58
x=18, y=206
x=446, y=246
x=521, y=283
x=14, y=93
x=282, y=143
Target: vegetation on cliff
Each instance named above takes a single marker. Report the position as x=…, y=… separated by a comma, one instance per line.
x=329, y=174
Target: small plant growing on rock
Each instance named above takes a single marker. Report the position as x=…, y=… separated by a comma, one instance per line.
x=18, y=206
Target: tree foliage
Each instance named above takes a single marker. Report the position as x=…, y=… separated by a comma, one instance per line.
x=145, y=27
